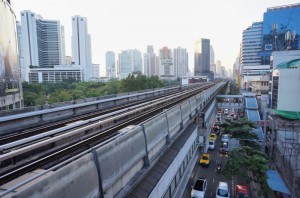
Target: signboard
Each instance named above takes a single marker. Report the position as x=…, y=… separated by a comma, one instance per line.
x=268, y=47
x=263, y=122
x=9, y=64
x=264, y=53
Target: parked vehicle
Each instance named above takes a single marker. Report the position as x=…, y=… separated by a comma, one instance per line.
x=241, y=191
x=222, y=190
x=199, y=189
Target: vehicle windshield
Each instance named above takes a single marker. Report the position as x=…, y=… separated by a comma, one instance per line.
x=199, y=185
x=222, y=192
x=242, y=195
x=211, y=143
x=205, y=158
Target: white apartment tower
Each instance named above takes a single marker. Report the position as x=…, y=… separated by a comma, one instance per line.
x=81, y=48
x=41, y=43
x=166, y=66
x=129, y=61
x=180, y=62
x=150, y=68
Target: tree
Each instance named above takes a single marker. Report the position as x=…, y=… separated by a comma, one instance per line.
x=248, y=163
x=240, y=128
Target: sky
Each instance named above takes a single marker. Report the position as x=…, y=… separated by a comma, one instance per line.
x=117, y=25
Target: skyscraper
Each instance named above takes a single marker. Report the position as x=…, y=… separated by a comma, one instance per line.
x=110, y=62
x=129, y=61
x=81, y=48
x=180, y=62
x=250, y=49
x=41, y=42
x=166, y=66
x=202, y=57
x=150, y=62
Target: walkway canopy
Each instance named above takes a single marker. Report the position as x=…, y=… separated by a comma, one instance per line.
x=276, y=183
x=292, y=115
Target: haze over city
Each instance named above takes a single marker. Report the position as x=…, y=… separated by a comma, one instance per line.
x=119, y=25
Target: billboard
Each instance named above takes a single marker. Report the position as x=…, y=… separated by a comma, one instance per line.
x=9, y=63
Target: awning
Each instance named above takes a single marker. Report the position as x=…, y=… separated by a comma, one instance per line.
x=276, y=183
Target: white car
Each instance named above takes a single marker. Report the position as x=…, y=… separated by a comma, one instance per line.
x=222, y=190
x=225, y=138
x=199, y=189
x=211, y=145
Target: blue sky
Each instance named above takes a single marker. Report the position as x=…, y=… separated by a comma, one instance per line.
x=127, y=24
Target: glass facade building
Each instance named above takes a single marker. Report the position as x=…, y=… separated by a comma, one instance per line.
x=281, y=30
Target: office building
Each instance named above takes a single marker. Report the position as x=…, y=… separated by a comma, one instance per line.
x=11, y=95
x=285, y=79
x=281, y=30
x=129, y=61
x=110, y=63
x=202, y=57
x=42, y=43
x=180, y=62
x=166, y=64
x=150, y=68
x=252, y=67
x=81, y=48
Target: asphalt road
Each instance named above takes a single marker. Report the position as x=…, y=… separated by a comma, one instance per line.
x=213, y=178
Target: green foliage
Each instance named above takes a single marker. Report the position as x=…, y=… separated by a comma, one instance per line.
x=239, y=128
x=47, y=92
x=248, y=163
x=234, y=90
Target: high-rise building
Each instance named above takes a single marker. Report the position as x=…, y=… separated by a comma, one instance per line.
x=110, y=62
x=280, y=30
x=11, y=95
x=202, y=57
x=150, y=62
x=212, y=55
x=218, y=67
x=81, y=48
x=166, y=66
x=250, y=59
x=41, y=43
x=129, y=61
x=180, y=62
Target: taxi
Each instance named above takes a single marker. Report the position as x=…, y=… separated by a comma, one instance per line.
x=212, y=136
x=205, y=159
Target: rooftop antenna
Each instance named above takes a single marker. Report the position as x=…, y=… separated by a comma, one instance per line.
x=289, y=38
x=274, y=28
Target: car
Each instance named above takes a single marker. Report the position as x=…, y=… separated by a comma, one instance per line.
x=222, y=190
x=225, y=111
x=234, y=117
x=199, y=189
x=211, y=145
x=212, y=136
x=205, y=159
x=228, y=118
x=241, y=191
x=224, y=148
x=225, y=138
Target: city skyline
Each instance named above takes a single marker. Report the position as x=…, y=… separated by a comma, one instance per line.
x=118, y=25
